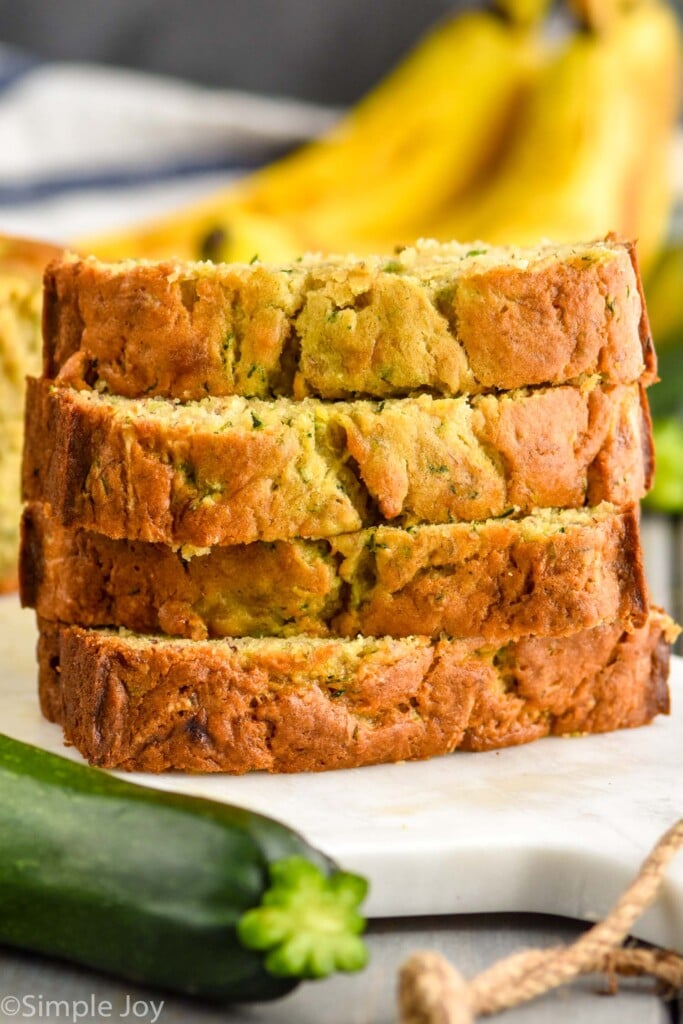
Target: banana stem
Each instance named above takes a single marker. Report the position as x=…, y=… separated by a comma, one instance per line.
x=600, y=15
x=522, y=12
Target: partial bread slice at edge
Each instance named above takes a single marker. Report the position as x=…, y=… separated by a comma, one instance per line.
x=22, y=262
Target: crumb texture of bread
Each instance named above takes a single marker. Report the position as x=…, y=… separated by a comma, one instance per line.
x=549, y=574
x=152, y=704
x=235, y=470
x=452, y=319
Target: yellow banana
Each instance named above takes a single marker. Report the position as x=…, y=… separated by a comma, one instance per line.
x=590, y=152
x=419, y=139
x=249, y=236
x=652, y=56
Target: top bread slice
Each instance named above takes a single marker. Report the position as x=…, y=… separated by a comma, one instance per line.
x=449, y=318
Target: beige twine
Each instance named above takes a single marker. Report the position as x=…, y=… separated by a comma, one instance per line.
x=432, y=991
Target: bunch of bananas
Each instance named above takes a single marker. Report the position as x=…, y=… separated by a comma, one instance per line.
x=488, y=130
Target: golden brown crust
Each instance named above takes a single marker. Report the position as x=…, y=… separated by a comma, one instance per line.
x=501, y=579
x=644, y=330
x=229, y=471
x=433, y=317
x=291, y=705
x=502, y=314
x=49, y=675
x=610, y=673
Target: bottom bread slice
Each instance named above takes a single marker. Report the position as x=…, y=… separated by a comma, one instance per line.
x=305, y=704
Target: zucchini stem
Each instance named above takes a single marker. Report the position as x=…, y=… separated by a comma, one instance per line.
x=307, y=924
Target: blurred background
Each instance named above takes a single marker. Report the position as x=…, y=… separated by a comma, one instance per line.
x=329, y=51
x=149, y=128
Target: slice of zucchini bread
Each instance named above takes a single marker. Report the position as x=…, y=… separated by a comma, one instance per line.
x=21, y=269
x=153, y=704
x=550, y=574
x=451, y=319
x=235, y=470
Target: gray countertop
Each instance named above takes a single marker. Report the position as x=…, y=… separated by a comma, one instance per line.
x=472, y=943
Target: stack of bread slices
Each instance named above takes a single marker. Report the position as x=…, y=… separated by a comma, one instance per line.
x=341, y=512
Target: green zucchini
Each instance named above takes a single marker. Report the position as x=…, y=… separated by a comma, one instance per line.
x=167, y=890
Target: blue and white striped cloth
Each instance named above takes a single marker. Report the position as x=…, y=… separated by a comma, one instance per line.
x=86, y=148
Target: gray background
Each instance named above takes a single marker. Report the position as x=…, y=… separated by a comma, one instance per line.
x=326, y=50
